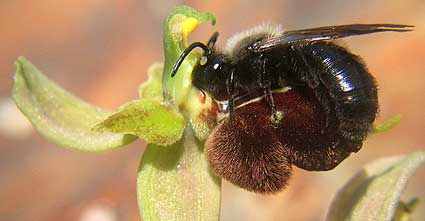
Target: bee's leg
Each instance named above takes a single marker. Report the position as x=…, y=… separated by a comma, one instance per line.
x=265, y=82
x=231, y=91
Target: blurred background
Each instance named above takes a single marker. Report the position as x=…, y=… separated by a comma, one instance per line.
x=100, y=51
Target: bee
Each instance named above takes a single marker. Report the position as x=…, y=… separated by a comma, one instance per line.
x=291, y=98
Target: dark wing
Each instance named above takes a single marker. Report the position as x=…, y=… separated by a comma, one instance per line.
x=327, y=33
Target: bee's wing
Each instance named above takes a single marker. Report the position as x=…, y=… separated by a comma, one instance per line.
x=327, y=33
x=245, y=150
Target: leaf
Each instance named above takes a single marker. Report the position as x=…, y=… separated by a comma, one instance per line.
x=374, y=193
x=175, y=183
x=148, y=119
x=152, y=88
x=58, y=115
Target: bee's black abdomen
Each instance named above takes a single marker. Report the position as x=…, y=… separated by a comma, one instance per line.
x=348, y=85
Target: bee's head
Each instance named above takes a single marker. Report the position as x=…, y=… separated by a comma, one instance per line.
x=211, y=75
x=212, y=70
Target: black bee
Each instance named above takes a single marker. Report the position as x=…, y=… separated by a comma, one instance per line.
x=292, y=97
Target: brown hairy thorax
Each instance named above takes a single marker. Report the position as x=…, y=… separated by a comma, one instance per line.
x=251, y=152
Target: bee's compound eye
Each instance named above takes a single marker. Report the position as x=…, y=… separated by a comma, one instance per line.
x=216, y=66
x=203, y=60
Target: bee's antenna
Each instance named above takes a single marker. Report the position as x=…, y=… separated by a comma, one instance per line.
x=212, y=40
x=185, y=53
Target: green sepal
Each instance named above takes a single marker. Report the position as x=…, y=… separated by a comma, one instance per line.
x=59, y=116
x=175, y=89
x=374, y=193
x=176, y=183
x=148, y=119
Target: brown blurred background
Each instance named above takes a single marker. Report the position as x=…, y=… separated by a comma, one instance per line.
x=100, y=50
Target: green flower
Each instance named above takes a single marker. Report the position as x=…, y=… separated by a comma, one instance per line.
x=174, y=181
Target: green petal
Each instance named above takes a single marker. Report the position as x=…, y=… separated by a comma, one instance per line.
x=148, y=119
x=152, y=88
x=374, y=193
x=58, y=115
x=387, y=125
x=175, y=183
x=202, y=115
